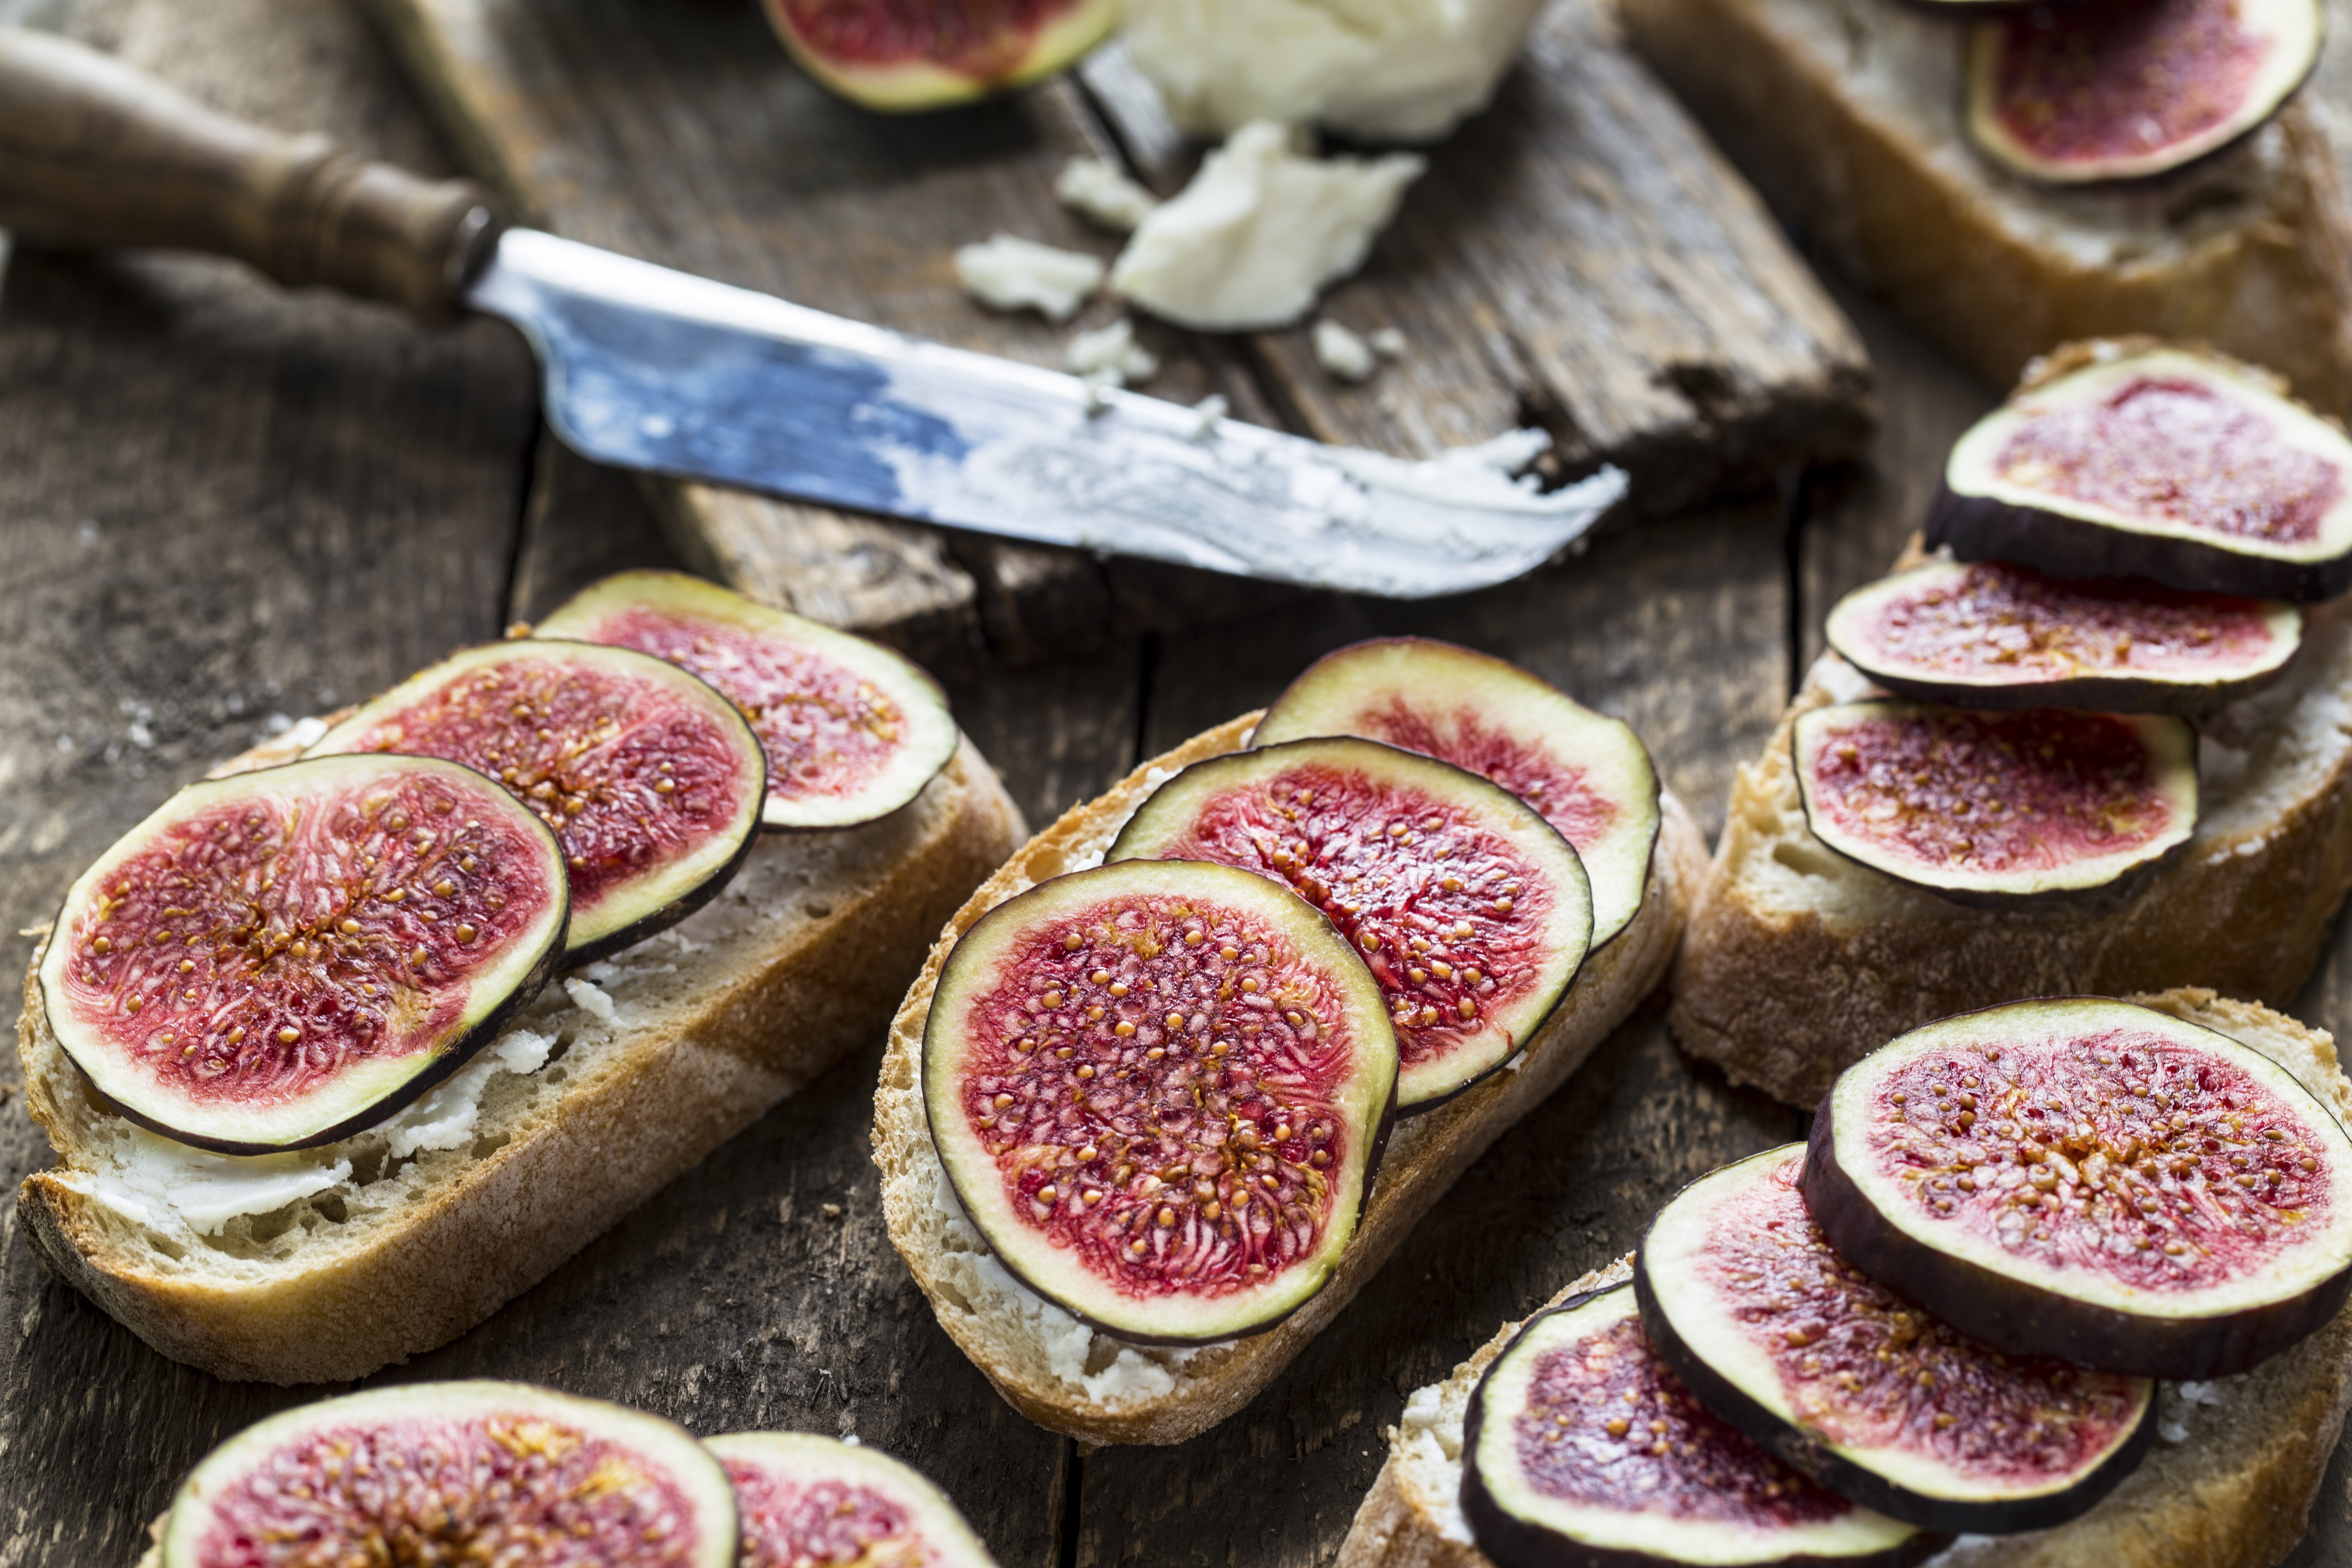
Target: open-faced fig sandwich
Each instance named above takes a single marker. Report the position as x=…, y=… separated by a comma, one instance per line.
x=316, y=1103
x=1181, y=1075
x=2098, y=741
x=1935, y=1333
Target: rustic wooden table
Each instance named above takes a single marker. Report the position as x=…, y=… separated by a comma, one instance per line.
x=220, y=507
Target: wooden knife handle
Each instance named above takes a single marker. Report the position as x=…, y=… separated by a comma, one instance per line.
x=94, y=153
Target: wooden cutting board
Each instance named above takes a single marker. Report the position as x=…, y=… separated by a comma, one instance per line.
x=1578, y=256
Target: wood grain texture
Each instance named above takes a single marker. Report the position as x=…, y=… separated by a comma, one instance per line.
x=1581, y=256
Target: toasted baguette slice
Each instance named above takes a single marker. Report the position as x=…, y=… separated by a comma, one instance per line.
x=326, y=1265
x=1798, y=961
x=1066, y=1378
x=1846, y=114
x=2228, y=1485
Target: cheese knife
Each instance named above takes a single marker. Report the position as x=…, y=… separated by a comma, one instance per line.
x=654, y=369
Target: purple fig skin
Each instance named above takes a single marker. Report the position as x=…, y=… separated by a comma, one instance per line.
x=1978, y=528
x=1511, y=1542
x=1799, y=1452
x=2016, y=1318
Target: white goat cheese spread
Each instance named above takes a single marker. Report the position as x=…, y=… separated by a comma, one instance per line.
x=1259, y=232
x=1405, y=70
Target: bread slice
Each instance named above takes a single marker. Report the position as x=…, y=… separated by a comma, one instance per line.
x=1065, y=1376
x=1845, y=113
x=2228, y=1484
x=323, y=1266
x=1798, y=961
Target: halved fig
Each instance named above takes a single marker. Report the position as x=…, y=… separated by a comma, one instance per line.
x=279, y=958
x=1986, y=634
x=2090, y=1180
x=1160, y=1090
x=1583, y=1446
x=904, y=54
x=1587, y=773
x=2122, y=89
x=853, y=731
x=1870, y=1396
x=1997, y=808
x=1472, y=910
x=454, y=1472
x=651, y=779
x=2139, y=460
x=806, y=1501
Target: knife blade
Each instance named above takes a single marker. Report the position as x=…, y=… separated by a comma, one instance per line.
x=654, y=369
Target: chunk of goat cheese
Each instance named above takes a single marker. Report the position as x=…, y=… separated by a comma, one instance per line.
x=1405, y=70
x=1259, y=232
x=1009, y=273
x=1097, y=190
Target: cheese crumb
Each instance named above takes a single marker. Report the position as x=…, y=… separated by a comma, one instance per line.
x=1388, y=342
x=1208, y=414
x=1009, y=273
x=1110, y=355
x=1097, y=190
x=1259, y=232
x=1342, y=355
x=1387, y=69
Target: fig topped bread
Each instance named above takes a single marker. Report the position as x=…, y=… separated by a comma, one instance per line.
x=1883, y=864
x=2227, y=1483
x=1848, y=115
x=420, y=1215
x=1164, y=1216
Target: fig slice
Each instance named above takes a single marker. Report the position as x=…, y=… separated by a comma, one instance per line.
x=2091, y=1180
x=651, y=779
x=2144, y=460
x=1160, y=1090
x=1582, y=1447
x=1872, y=1396
x=904, y=54
x=1587, y=773
x=1995, y=809
x=2123, y=89
x=806, y=1501
x=852, y=729
x=454, y=1472
x=279, y=958
x=1471, y=910
x=1986, y=634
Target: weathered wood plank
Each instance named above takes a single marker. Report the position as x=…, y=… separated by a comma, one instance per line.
x=1579, y=255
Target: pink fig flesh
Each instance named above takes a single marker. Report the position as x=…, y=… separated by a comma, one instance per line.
x=852, y=729
x=651, y=779
x=2093, y=1180
x=1160, y=1090
x=1472, y=912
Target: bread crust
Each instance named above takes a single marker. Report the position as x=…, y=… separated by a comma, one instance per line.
x=604, y=1144
x=1958, y=246
x=1424, y=1157
x=2237, y=1494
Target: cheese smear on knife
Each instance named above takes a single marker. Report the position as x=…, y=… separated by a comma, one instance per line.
x=1259, y=232
x=1405, y=70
